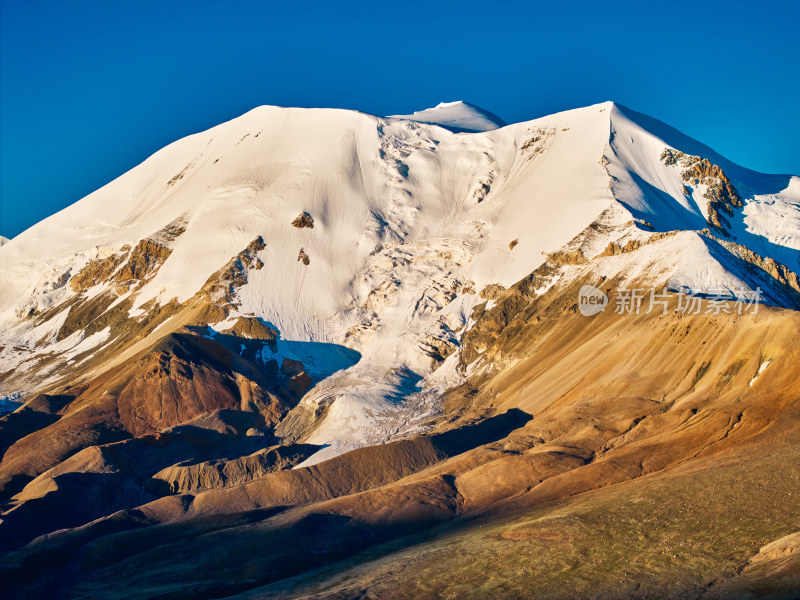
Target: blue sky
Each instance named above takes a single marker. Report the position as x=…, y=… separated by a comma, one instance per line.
x=90, y=89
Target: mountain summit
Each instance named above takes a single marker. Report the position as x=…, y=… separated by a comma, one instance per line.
x=280, y=342
x=457, y=116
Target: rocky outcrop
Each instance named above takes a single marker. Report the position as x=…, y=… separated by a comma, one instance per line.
x=614, y=248
x=777, y=271
x=131, y=267
x=438, y=349
x=568, y=257
x=780, y=548
x=220, y=288
x=537, y=140
x=127, y=268
x=144, y=261
x=98, y=271
x=722, y=196
x=82, y=314
x=492, y=291
x=303, y=220
x=482, y=189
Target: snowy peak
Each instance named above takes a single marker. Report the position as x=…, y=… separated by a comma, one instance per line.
x=456, y=116
x=3, y=240
x=673, y=182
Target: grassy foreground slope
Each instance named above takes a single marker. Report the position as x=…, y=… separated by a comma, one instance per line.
x=688, y=533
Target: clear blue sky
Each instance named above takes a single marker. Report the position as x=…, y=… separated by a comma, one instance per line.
x=90, y=89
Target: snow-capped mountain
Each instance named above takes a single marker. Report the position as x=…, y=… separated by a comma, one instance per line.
x=371, y=240
x=301, y=333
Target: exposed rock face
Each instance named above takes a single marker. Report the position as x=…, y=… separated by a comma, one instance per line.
x=131, y=267
x=720, y=192
x=779, y=272
x=489, y=323
x=221, y=287
x=98, y=271
x=568, y=257
x=303, y=220
x=482, y=190
x=83, y=315
x=614, y=248
x=774, y=570
x=438, y=349
x=303, y=257
x=492, y=291
x=538, y=140
x=123, y=271
x=144, y=261
x=670, y=157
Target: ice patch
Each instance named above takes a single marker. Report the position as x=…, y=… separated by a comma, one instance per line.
x=761, y=369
